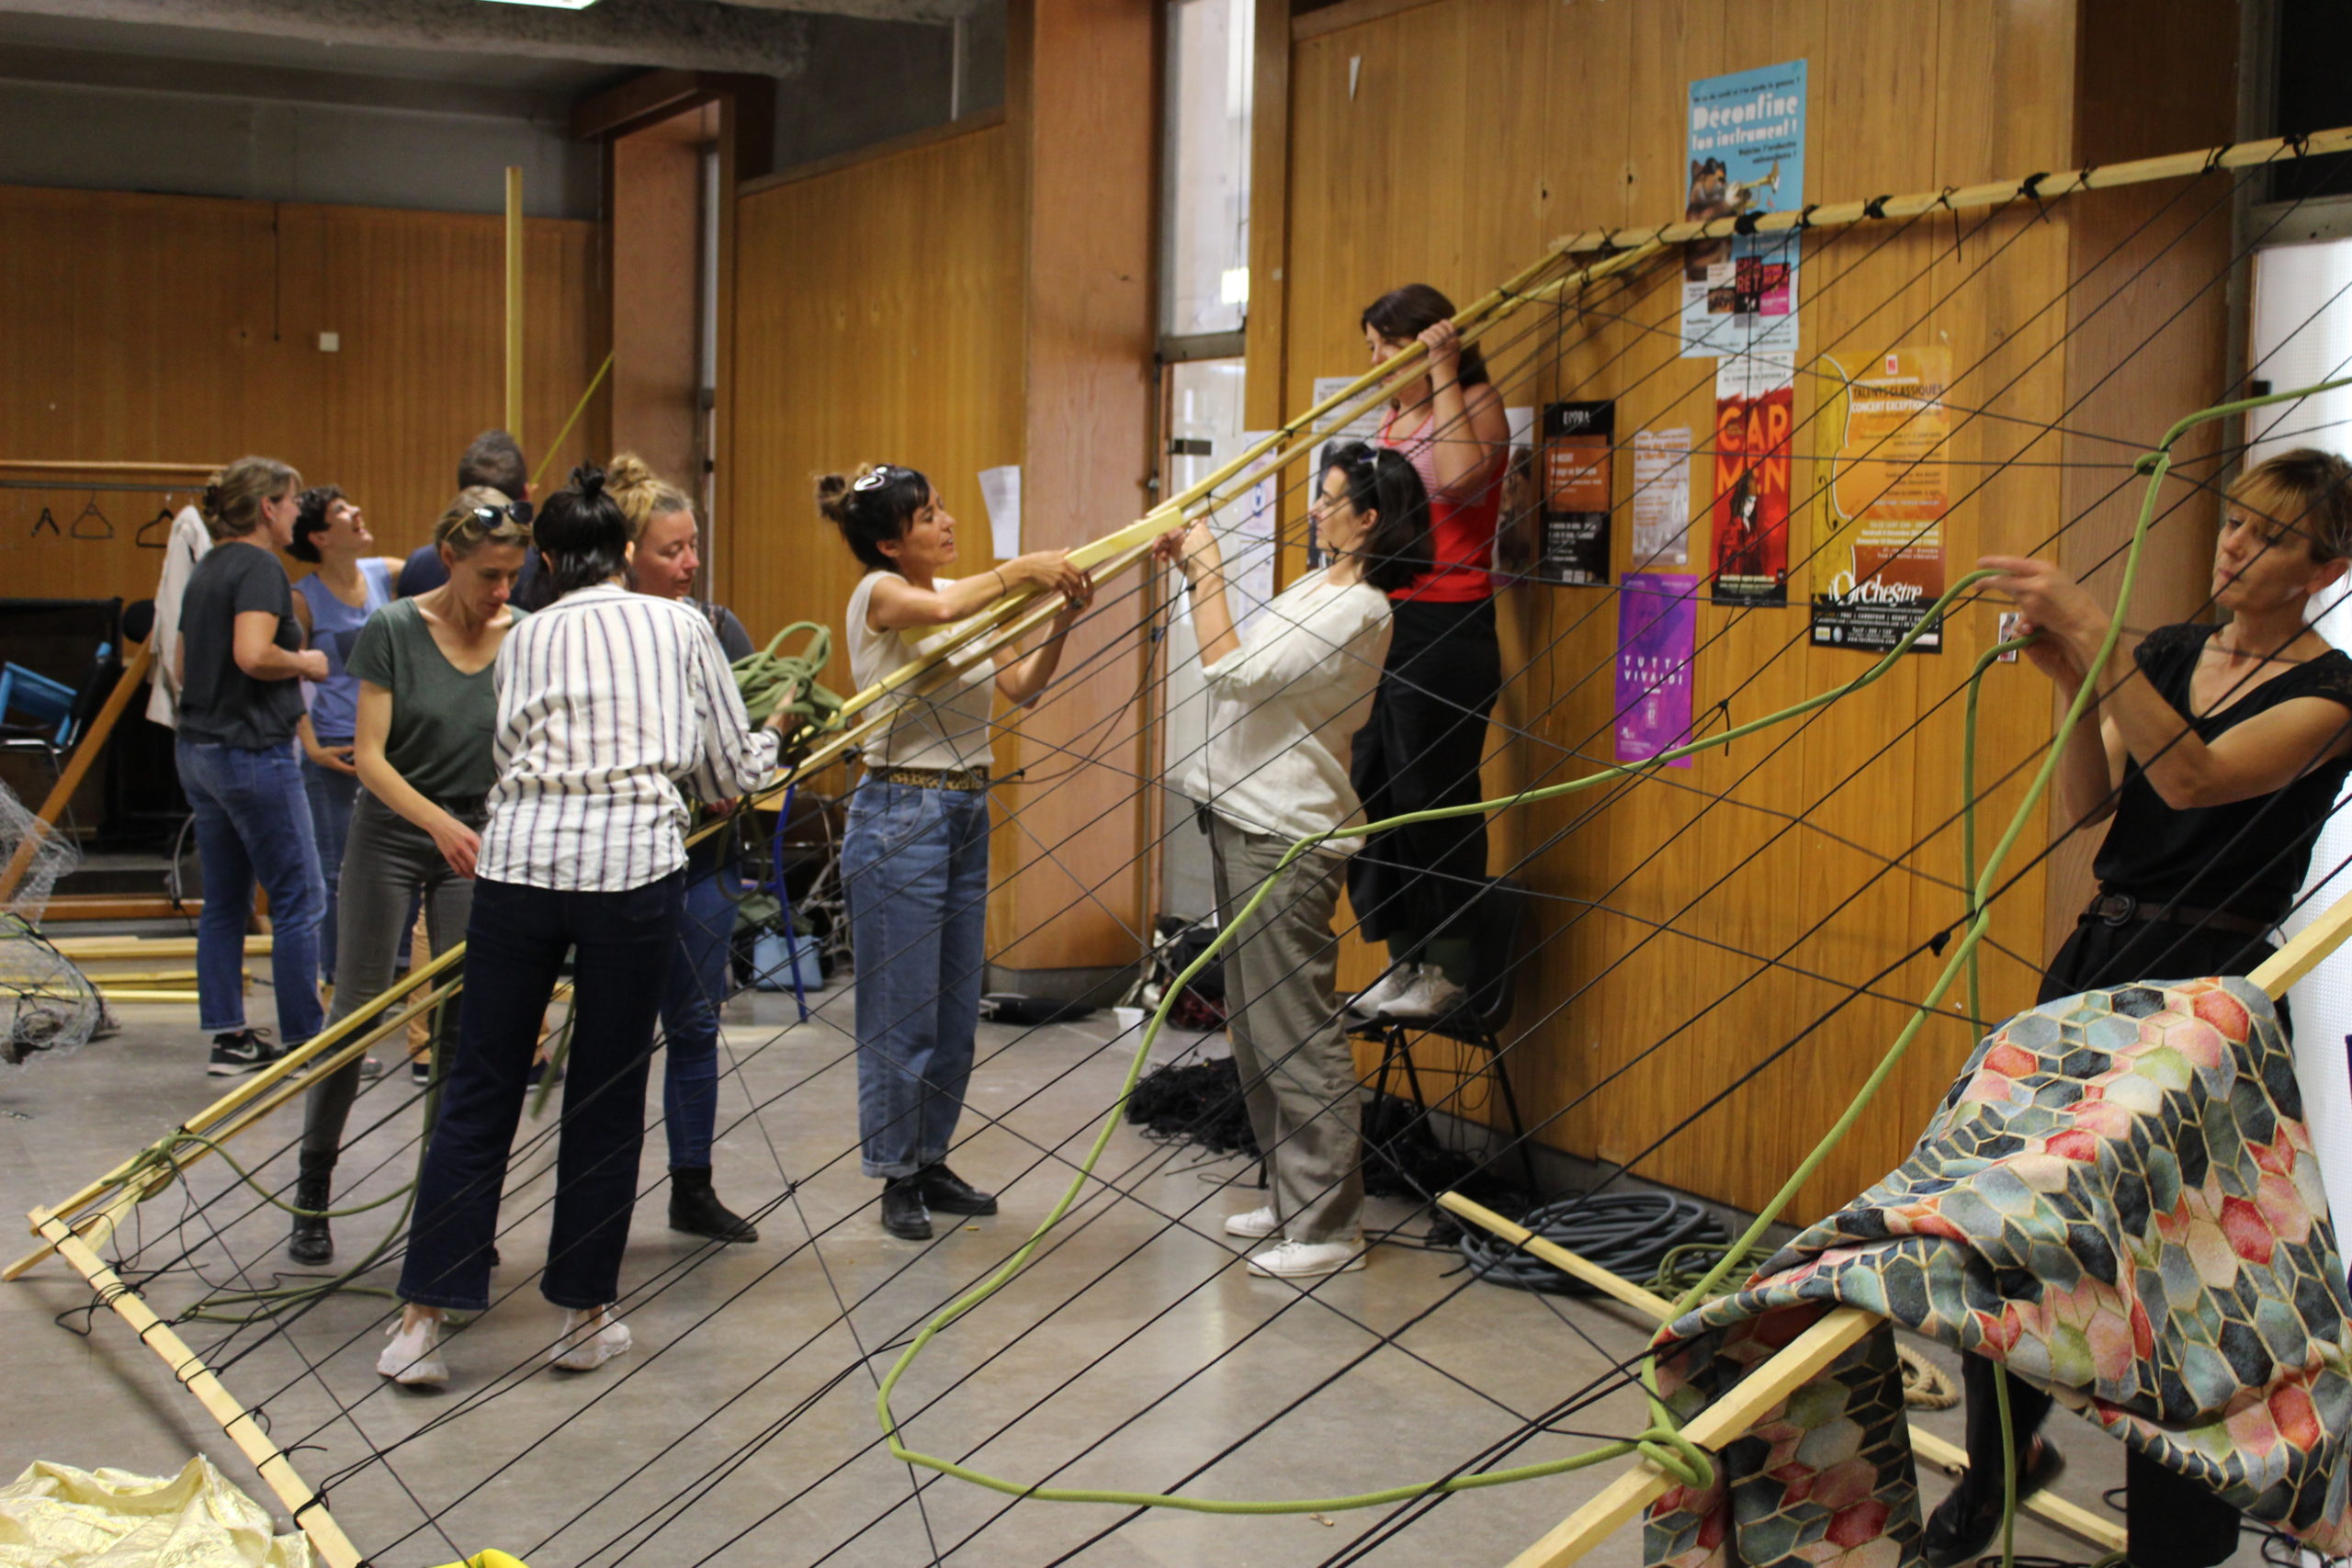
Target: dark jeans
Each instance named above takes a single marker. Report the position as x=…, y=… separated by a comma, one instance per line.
x=1421, y=748
x=333, y=797
x=690, y=1004
x=515, y=943
x=253, y=821
x=2174, y=1522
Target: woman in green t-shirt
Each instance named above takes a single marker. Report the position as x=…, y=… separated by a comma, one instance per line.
x=428, y=704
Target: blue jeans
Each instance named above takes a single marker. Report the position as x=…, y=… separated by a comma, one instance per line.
x=253, y=821
x=915, y=874
x=332, y=794
x=516, y=938
x=690, y=1004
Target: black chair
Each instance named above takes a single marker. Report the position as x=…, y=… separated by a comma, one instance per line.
x=1496, y=922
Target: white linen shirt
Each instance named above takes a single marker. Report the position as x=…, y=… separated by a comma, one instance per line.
x=188, y=543
x=608, y=701
x=947, y=727
x=1284, y=708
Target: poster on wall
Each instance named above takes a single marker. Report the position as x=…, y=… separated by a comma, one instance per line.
x=1577, y=442
x=1661, y=498
x=1519, y=526
x=1890, y=487
x=1365, y=426
x=1747, y=157
x=1755, y=421
x=1658, y=631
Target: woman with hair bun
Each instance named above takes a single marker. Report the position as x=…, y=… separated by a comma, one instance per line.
x=345, y=587
x=608, y=702
x=1284, y=697
x=241, y=664
x=915, y=858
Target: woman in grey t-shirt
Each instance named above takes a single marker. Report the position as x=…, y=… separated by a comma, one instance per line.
x=428, y=704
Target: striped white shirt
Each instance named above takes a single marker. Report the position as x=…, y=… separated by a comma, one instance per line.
x=608, y=701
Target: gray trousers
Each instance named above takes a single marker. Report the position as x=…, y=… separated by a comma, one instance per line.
x=387, y=861
x=1290, y=1040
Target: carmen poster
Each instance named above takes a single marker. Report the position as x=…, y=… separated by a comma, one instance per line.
x=1888, y=492
x=1577, y=442
x=1658, y=629
x=1755, y=422
x=1746, y=146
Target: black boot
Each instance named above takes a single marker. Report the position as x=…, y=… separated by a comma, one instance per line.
x=904, y=1214
x=312, y=1241
x=951, y=1194
x=695, y=1209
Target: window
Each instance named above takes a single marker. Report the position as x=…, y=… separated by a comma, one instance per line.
x=1206, y=264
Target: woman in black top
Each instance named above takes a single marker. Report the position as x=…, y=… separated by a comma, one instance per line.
x=240, y=665
x=2218, y=752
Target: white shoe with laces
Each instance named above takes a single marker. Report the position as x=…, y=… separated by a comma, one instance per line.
x=1374, y=1000
x=413, y=1358
x=1309, y=1259
x=1257, y=1224
x=590, y=1339
x=1432, y=995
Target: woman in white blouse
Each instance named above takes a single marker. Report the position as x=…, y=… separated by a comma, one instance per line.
x=607, y=702
x=1284, y=699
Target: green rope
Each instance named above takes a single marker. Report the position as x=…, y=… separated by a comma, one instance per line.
x=769, y=680
x=1662, y=1442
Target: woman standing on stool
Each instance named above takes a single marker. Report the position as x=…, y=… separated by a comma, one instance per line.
x=1283, y=698
x=607, y=700
x=427, y=706
x=915, y=857
x=662, y=528
x=1427, y=734
x=332, y=604
x=2218, y=752
x=241, y=658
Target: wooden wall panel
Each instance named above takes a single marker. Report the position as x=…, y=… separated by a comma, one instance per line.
x=1700, y=922
x=186, y=329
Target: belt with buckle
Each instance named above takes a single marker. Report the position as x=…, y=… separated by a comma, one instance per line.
x=970, y=781
x=2123, y=908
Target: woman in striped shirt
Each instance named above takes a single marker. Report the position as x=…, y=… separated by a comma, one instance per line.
x=608, y=702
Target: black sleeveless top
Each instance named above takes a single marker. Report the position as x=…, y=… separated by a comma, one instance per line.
x=2248, y=857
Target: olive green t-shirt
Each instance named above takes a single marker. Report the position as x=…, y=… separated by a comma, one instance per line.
x=443, y=720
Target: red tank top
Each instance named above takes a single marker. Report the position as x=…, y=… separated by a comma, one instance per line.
x=1461, y=531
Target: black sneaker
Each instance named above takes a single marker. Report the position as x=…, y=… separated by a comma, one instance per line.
x=420, y=1072
x=951, y=1194
x=242, y=1051
x=903, y=1213
x=1963, y=1524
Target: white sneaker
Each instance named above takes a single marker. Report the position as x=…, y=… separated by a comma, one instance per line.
x=1374, y=1000
x=1309, y=1259
x=1257, y=1224
x=414, y=1357
x=1432, y=995
x=590, y=1339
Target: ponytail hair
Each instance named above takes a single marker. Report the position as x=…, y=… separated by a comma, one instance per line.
x=872, y=508
x=582, y=535
x=1403, y=314
x=642, y=494
x=1396, y=554
x=231, y=506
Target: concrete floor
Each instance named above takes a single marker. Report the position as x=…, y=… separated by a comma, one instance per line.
x=1135, y=1354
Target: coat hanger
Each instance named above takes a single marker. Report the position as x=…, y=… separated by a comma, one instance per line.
x=90, y=514
x=48, y=520
x=160, y=520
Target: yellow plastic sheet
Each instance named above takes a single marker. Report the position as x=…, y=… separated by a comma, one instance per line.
x=490, y=1557
x=56, y=1516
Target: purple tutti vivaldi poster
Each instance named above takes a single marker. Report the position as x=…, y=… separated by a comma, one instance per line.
x=1658, y=628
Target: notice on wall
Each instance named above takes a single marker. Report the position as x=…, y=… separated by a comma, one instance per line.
x=1363, y=427
x=1746, y=154
x=1755, y=422
x=1661, y=498
x=1658, y=631
x=1889, y=489
x=1519, y=526
x=1000, y=494
x=1579, y=442
x=1247, y=525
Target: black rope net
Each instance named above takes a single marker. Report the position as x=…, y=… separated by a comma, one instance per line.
x=1132, y=1355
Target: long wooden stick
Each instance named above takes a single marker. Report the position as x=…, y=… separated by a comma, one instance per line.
x=308, y=1512
x=1949, y=1457
x=86, y=748
x=46, y=466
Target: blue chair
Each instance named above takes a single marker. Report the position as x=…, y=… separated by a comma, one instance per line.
x=52, y=713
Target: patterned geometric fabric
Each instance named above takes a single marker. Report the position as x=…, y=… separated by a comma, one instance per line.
x=2119, y=1201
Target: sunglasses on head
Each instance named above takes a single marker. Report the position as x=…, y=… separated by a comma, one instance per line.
x=488, y=516
x=883, y=474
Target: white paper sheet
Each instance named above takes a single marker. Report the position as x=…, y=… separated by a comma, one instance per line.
x=1000, y=492
x=1661, y=499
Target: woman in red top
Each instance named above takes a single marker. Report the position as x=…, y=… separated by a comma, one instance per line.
x=1427, y=734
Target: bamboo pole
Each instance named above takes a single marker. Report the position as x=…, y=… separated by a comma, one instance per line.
x=310, y=1512
x=1949, y=1457
x=515, y=301
x=78, y=766
x=89, y=950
